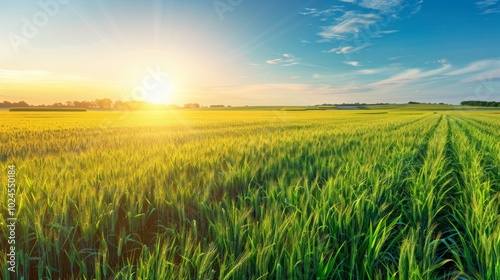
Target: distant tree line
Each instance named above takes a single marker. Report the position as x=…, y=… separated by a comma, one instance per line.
x=106, y=103
x=7, y=104
x=192, y=106
x=481, y=103
x=345, y=104
x=440, y=103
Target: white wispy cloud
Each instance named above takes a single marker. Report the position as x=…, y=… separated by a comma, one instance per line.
x=290, y=60
x=349, y=25
x=476, y=67
x=352, y=22
x=485, y=77
x=385, y=6
x=412, y=75
x=404, y=77
x=325, y=76
x=488, y=6
x=358, y=26
x=483, y=71
x=279, y=89
x=371, y=71
x=347, y=49
x=352, y=63
x=389, y=31
x=270, y=93
x=278, y=86
x=491, y=11
x=274, y=61
x=380, y=34
x=391, y=7
x=319, y=13
x=486, y=3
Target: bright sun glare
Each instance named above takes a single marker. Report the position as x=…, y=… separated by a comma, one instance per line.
x=160, y=95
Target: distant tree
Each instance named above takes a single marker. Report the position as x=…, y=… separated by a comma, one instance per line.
x=86, y=104
x=6, y=104
x=480, y=103
x=108, y=103
x=191, y=106
x=99, y=103
x=105, y=103
x=118, y=104
x=21, y=104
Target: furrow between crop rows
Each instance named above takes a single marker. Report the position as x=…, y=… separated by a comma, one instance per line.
x=475, y=244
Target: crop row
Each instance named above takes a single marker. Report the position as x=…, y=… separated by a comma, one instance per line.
x=256, y=195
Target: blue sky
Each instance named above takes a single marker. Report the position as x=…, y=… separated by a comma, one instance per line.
x=244, y=52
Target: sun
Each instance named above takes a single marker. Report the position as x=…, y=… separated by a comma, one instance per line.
x=160, y=94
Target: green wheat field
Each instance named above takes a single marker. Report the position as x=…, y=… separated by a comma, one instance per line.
x=253, y=194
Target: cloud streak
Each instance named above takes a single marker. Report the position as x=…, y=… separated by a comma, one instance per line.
x=36, y=75
x=476, y=67
x=287, y=60
x=412, y=75
x=349, y=25
x=371, y=71
x=488, y=6
x=352, y=63
x=347, y=49
x=356, y=27
x=384, y=6
x=485, y=77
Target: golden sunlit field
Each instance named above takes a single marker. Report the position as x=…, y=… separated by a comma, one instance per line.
x=200, y=194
